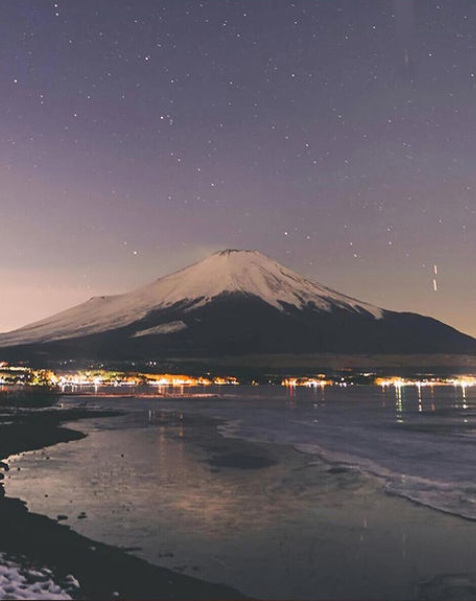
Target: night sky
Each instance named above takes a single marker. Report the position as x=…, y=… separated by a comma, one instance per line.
x=336, y=136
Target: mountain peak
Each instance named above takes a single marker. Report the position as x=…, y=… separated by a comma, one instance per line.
x=253, y=273
x=231, y=251
x=239, y=254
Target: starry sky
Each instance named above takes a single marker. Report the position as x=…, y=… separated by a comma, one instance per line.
x=338, y=137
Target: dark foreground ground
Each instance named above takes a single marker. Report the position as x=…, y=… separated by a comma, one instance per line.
x=103, y=572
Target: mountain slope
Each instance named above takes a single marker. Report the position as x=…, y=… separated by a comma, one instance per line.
x=231, y=302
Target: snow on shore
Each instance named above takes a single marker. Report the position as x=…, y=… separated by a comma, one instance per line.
x=18, y=582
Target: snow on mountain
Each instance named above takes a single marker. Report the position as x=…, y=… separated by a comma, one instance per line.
x=164, y=328
x=225, y=272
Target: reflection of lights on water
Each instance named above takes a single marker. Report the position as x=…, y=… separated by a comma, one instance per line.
x=461, y=383
x=399, y=404
x=420, y=406
x=398, y=384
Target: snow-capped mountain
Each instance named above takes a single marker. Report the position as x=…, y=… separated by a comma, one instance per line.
x=226, y=272
x=231, y=302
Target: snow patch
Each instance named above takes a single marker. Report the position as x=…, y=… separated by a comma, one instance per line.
x=17, y=582
x=164, y=328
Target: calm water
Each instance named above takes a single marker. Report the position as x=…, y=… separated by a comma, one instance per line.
x=284, y=496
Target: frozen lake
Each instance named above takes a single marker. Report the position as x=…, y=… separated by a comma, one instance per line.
x=280, y=493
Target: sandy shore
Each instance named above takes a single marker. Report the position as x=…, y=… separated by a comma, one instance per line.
x=103, y=572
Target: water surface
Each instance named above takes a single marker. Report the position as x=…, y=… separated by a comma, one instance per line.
x=279, y=495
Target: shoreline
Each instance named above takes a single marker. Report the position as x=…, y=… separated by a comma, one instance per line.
x=103, y=571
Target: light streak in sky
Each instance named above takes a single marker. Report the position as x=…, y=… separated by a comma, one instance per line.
x=435, y=283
